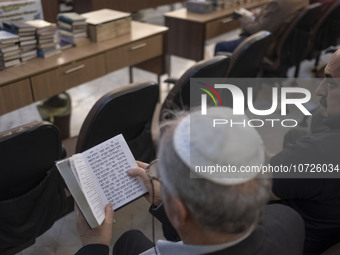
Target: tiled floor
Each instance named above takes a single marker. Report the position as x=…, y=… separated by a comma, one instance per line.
x=62, y=238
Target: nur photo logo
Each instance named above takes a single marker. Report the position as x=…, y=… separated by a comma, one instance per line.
x=224, y=92
x=212, y=96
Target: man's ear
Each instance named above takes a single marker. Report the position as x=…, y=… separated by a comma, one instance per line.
x=177, y=212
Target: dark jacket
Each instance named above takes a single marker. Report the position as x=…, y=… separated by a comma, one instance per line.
x=280, y=232
x=316, y=199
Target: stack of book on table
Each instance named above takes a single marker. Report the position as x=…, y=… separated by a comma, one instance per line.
x=27, y=39
x=72, y=29
x=9, y=49
x=46, y=37
x=105, y=24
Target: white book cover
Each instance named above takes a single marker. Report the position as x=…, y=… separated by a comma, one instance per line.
x=6, y=37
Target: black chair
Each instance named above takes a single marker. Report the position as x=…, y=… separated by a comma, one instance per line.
x=32, y=193
x=327, y=32
x=128, y=111
x=291, y=47
x=245, y=60
x=178, y=97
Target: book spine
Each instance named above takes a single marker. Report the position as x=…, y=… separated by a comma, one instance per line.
x=65, y=19
x=71, y=182
x=13, y=30
x=10, y=28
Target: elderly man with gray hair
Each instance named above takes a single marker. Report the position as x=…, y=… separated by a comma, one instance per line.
x=206, y=204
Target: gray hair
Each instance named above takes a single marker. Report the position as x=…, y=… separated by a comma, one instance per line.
x=220, y=208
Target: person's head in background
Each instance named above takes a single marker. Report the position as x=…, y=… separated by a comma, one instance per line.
x=329, y=88
x=210, y=208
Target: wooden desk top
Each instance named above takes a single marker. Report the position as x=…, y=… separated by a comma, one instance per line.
x=40, y=65
x=204, y=18
x=82, y=6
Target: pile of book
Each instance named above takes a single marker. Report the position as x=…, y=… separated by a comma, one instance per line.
x=46, y=37
x=106, y=24
x=72, y=29
x=27, y=39
x=9, y=49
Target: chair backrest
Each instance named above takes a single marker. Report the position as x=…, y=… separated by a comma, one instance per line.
x=247, y=57
x=292, y=44
x=32, y=195
x=178, y=97
x=327, y=28
x=128, y=111
x=27, y=152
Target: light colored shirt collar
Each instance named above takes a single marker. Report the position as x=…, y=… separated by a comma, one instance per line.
x=179, y=248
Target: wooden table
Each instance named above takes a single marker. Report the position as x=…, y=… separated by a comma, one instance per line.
x=189, y=31
x=81, y=6
x=40, y=78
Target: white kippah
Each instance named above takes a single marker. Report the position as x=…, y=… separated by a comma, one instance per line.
x=199, y=144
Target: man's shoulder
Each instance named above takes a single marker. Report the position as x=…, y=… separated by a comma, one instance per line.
x=329, y=137
x=314, y=147
x=279, y=225
x=282, y=225
x=278, y=215
x=325, y=136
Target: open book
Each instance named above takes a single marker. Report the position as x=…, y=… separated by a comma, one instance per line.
x=98, y=176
